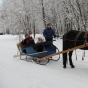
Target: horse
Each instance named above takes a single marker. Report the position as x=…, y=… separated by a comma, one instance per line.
x=72, y=39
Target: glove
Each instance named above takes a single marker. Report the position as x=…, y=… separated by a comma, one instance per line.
x=54, y=36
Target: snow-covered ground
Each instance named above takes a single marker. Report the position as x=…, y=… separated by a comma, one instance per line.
x=16, y=73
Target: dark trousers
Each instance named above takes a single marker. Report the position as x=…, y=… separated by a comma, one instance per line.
x=49, y=39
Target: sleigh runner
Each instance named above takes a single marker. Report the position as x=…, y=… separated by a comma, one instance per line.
x=37, y=51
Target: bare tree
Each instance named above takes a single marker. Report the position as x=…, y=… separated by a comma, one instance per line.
x=28, y=15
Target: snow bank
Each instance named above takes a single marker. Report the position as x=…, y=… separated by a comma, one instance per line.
x=8, y=36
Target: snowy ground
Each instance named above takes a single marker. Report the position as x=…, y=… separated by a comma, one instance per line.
x=16, y=73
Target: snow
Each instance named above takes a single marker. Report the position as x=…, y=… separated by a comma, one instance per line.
x=16, y=73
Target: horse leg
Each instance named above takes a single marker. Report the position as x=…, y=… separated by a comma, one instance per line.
x=64, y=54
x=64, y=60
x=70, y=59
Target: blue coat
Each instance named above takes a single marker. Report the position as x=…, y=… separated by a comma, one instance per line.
x=49, y=33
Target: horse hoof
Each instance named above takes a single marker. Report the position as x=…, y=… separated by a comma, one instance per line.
x=64, y=66
x=72, y=66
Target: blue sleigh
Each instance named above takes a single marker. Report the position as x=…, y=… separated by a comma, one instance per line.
x=39, y=51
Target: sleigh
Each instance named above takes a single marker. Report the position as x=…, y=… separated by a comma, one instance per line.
x=37, y=51
x=48, y=52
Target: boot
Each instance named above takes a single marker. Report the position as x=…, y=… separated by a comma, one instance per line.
x=72, y=66
x=64, y=66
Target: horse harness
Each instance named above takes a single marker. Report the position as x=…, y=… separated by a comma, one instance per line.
x=85, y=36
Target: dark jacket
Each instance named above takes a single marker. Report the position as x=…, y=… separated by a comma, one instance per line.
x=28, y=42
x=49, y=33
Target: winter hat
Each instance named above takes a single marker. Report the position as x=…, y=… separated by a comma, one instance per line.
x=48, y=24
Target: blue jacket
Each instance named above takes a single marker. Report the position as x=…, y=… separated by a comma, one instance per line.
x=49, y=33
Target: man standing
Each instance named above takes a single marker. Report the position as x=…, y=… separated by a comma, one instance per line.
x=49, y=33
